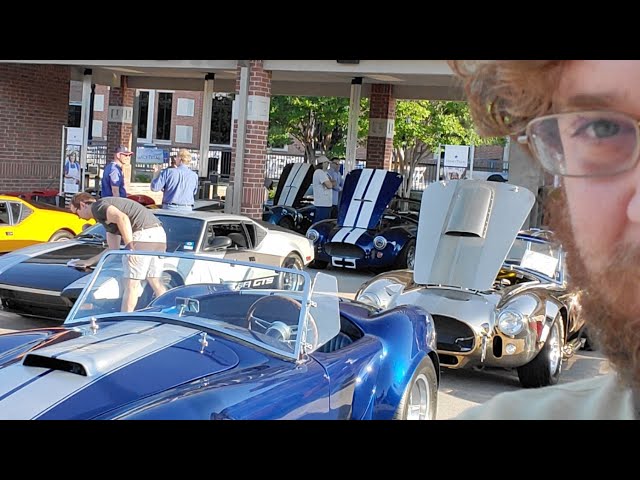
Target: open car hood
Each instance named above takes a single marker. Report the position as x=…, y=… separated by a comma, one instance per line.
x=294, y=182
x=465, y=231
x=365, y=195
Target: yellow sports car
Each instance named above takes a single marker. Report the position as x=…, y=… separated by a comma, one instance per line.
x=24, y=223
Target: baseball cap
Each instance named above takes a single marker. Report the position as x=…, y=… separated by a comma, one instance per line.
x=322, y=159
x=124, y=150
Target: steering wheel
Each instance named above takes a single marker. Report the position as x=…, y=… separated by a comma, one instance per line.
x=277, y=316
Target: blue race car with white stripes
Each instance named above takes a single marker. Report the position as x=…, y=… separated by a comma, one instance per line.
x=234, y=340
x=289, y=209
x=370, y=232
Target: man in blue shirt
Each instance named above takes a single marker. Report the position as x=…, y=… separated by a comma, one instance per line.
x=179, y=185
x=334, y=174
x=112, y=184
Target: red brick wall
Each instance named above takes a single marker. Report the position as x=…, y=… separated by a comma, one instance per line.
x=186, y=121
x=120, y=133
x=381, y=105
x=255, y=153
x=34, y=105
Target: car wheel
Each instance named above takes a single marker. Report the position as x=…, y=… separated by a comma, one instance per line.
x=420, y=398
x=545, y=368
x=286, y=222
x=61, y=235
x=291, y=281
x=407, y=256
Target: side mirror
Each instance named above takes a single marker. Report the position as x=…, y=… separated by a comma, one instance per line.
x=218, y=243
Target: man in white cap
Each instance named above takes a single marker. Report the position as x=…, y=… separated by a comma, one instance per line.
x=112, y=184
x=322, y=190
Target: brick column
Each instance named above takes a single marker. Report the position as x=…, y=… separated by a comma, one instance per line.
x=255, y=152
x=382, y=117
x=120, y=117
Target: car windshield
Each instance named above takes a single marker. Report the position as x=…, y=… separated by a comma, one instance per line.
x=536, y=255
x=265, y=306
x=183, y=233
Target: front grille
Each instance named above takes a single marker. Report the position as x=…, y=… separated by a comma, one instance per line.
x=50, y=306
x=453, y=335
x=347, y=250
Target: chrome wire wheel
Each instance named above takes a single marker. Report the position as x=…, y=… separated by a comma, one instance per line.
x=411, y=256
x=419, y=399
x=555, y=349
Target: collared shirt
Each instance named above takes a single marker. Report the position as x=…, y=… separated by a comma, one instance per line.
x=112, y=177
x=598, y=398
x=179, y=185
x=334, y=175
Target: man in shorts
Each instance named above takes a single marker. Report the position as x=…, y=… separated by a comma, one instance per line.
x=138, y=228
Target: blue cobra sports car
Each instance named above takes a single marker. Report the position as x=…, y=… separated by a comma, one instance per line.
x=366, y=233
x=236, y=340
x=289, y=209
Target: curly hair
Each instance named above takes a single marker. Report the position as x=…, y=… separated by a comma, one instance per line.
x=504, y=95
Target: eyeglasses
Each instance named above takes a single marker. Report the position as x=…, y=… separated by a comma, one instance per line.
x=584, y=144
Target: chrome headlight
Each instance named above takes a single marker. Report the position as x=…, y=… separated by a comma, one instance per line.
x=313, y=235
x=380, y=242
x=511, y=322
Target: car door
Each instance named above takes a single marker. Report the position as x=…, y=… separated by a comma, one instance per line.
x=6, y=229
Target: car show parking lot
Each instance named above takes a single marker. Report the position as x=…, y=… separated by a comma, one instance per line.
x=459, y=389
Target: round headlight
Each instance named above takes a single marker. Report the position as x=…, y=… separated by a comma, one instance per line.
x=510, y=322
x=380, y=242
x=313, y=235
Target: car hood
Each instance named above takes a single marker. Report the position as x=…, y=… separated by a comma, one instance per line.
x=94, y=373
x=365, y=195
x=293, y=183
x=465, y=231
x=46, y=269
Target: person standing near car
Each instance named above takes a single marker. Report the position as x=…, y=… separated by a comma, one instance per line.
x=322, y=191
x=138, y=228
x=336, y=179
x=579, y=119
x=179, y=185
x=112, y=183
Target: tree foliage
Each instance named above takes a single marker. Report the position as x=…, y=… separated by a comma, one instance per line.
x=421, y=126
x=318, y=123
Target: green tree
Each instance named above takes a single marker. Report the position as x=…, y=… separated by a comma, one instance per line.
x=422, y=125
x=318, y=123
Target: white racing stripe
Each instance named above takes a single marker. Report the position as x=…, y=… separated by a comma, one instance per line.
x=296, y=175
x=366, y=196
x=354, y=235
x=32, y=395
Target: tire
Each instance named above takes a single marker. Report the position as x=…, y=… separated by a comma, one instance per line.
x=61, y=235
x=421, y=393
x=407, y=256
x=287, y=223
x=293, y=261
x=318, y=264
x=546, y=367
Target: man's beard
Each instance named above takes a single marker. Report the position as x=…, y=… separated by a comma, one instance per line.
x=610, y=299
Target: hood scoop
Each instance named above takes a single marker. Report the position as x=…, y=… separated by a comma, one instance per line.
x=34, y=360
x=91, y=356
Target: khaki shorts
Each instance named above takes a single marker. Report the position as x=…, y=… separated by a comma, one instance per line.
x=139, y=267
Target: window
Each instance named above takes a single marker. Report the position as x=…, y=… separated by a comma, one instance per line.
x=96, y=129
x=163, y=128
x=221, y=122
x=185, y=107
x=98, y=103
x=4, y=214
x=184, y=134
x=15, y=211
x=143, y=114
x=75, y=115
